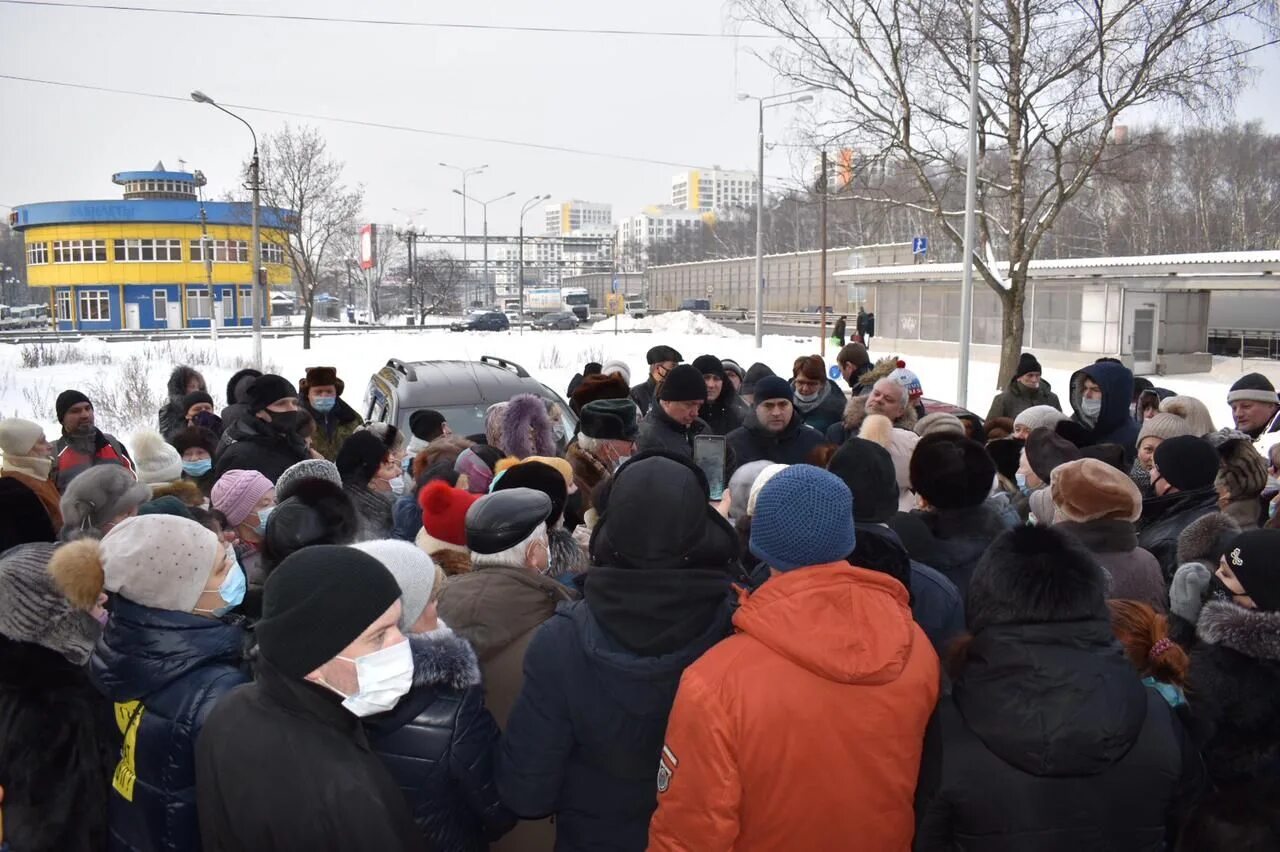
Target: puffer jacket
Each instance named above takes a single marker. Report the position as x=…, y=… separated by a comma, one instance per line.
x=73, y=455
x=1163, y=520
x=439, y=744
x=164, y=671
x=257, y=445
x=950, y=540
x=1017, y=398
x=1049, y=741
x=1234, y=692
x=797, y=733
x=792, y=445
x=585, y=736
x=825, y=411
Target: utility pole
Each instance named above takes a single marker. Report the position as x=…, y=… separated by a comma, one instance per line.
x=207, y=252
x=822, y=187
x=970, y=220
x=411, y=241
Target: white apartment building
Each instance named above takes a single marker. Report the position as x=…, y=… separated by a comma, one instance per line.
x=713, y=189
x=548, y=261
x=652, y=225
x=567, y=218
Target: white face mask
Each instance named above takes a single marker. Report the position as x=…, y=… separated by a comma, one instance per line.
x=397, y=485
x=1091, y=408
x=383, y=678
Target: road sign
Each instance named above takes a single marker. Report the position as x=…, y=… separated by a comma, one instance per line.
x=834, y=372
x=711, y=290
x=614, y=304
x=614, y=285
x=919, y=245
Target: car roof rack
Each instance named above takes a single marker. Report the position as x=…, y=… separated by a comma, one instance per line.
x=495, y=361
x=404, y=369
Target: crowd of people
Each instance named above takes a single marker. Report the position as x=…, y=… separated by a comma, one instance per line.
x=274, y=626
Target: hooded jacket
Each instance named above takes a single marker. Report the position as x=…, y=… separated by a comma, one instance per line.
x=58, y=748
x=825, y=411
x=164, y=671
x=257, y=445
x=752, y=442
x=1235, y=692
x=283, y=766
x=855, y=411
x=660, y=432
x=439, y=744
x=1163, y=520
x=797, y=732
x=1049, y=741
x=238, y=397
x=727, y=413
x=172, y=418
x=1114, y=424
x=1017, y=398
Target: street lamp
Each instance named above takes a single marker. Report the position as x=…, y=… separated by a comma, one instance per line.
x=520, y=251
x=768, y=101
x=484, y=207
x=466, y=172
x=255, y=250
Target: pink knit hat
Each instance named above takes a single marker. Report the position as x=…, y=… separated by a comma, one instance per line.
x=237, y=492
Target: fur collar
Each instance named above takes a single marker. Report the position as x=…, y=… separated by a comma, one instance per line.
x=882, y=369
x=856, y=411
x=1250, y=632
x=1244, y=512
x=443, y=658
x=1205, y=537
x=1104, y=536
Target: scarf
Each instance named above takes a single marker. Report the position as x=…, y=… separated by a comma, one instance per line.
x=33, y=466
x=656, y=611
x=805, y=407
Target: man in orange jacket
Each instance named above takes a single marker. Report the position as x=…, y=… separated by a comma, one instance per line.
x=804, y=730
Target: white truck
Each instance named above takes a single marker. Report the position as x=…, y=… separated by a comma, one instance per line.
x=635, y=306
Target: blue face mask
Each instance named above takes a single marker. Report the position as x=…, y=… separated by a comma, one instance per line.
x=324, y=403
x=263, y=514
x=1022, y=482
x=232, y=589
x=197, y=469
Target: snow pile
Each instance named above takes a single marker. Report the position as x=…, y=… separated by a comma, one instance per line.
x=677, y=322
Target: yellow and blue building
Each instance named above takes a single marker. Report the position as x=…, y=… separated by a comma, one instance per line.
x=138, y=263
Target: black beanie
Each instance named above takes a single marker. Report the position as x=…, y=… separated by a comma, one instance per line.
x=1035, y=575
x=951, y=471
x=317, y=602
x=755, y=373
x=426, y=423
x=360, y=456
x=195, y=398
x=1254, y=557
x=683, y=384
x=1187, y=462
x=658, y=354
x=267, y=390
x=195, y=436
x=1046, y=449
x=710, y=365
x=867, y=468
x=1007, y=454
x=1027, y=363
x=66, y=399
x=539, y=477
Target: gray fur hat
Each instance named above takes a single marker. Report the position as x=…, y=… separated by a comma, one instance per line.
x=99, y=495
x=46, y=608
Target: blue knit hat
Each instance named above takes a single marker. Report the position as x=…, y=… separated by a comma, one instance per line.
x=804, y=516
x=773, y=387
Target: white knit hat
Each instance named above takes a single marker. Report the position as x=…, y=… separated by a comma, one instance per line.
x=160, y=561
x=1038, y=416
x=17, y=437
x=613, y=365
x=415, y=574
x=157, y=462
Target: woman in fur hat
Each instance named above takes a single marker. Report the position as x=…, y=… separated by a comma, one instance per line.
x=1240, y=482
x=1102, y=762
x=321, y=394
x=57, y=744
x=166, y=656
x=526, y=428
x=172, y=418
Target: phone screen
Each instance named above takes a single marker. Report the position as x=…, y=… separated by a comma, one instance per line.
x=709, y=455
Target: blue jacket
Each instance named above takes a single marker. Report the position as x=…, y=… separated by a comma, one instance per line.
x=406, y=517
x=1115, y=425
x=439, y=744
x=164, y=671
x=584, y=739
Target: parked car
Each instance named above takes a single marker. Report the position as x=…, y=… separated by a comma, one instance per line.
x=484, y=321
x=695, y=305
x=460, y=390
x=560, y=321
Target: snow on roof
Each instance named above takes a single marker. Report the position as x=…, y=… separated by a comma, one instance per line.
x=1182, y=261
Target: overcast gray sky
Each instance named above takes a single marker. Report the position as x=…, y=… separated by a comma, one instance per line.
x=667, y=99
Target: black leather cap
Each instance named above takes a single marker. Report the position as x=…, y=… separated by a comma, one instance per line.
x=503, y=519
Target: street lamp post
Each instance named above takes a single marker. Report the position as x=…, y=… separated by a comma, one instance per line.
x=484, y=208
x=970, y=215
x=255, y=250
x=520, y=252
x=768, y=101
x=466, y=173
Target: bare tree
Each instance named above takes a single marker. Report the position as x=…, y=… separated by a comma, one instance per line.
x=299, y=175
x=1056, y=76
x=388, y=256
x=436, y=283
x=13, y=267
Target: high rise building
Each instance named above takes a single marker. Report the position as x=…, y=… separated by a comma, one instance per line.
x=570, y=218
x=636, y=234
x=713, y=189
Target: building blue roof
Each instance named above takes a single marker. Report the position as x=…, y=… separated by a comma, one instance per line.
x=123, y=177
x=145, y=210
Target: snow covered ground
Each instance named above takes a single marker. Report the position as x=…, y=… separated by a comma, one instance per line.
x=127, y=379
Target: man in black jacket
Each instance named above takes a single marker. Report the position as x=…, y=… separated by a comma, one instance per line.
x=673, y=423
x=662, y=360
x=283, y=763
x=267, y=440
x=1182, y=477
x=776, y=432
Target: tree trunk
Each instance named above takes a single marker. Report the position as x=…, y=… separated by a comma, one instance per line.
x=1012, y=323
x=308, y=311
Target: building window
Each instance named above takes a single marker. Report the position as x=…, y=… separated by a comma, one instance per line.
x=246, y=302
x=80, y=251
x=148, y=250
x=37, y=253
x=95, y=305
x=63, y=305
x=160, y=305
x=198, y=303
x=272, y=253
x=197, y=251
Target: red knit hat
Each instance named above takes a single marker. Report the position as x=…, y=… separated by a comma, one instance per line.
x=444, y=511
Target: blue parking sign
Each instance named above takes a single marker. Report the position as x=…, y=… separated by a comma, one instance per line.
x=919, y=245
x=613, y=285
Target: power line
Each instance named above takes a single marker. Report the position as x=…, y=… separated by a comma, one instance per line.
x=401, y=128
x=389, y=22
